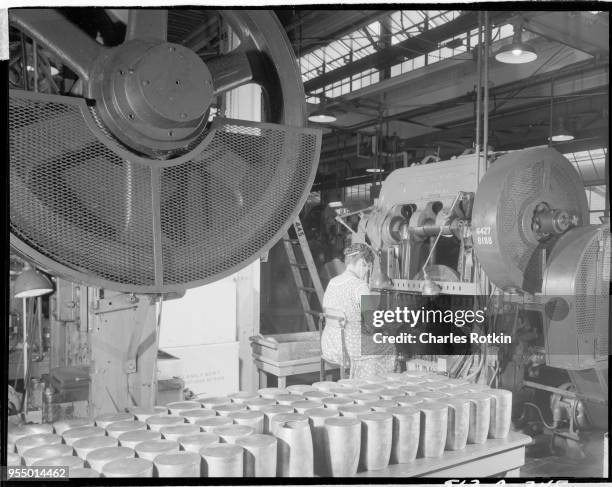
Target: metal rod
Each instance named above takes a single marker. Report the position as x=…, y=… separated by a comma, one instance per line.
x=487, y=45
x=343, y=223
x=158, y=313
x=432, y=248
x=39, y=325
x=24, y=62
x=550, y=124
x=478, y=92
x=563, y=392
x=356, y=212
x=24, y=407
x=158, y=265
x=607, y=186
x=485, y=115
x=35, y=61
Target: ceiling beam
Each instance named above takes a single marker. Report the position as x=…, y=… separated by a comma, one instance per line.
x=408, y=49
x=451, y=83
x=578, y=77
x=516, y=125
x=313, y=28
x=584, y=31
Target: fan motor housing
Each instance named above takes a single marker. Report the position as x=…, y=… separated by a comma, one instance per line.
x=153, y=96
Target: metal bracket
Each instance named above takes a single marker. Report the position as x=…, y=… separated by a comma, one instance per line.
x=412, y=285
x=116, y=303
x=135, y=339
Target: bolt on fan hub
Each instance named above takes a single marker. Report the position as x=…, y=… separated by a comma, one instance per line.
x=154, y=97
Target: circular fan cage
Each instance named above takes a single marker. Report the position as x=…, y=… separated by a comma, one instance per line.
x=130, y=180
x=576, y=282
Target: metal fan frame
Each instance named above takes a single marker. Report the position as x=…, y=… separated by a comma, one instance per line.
x=264, y=56
x=264, y=33
x=54, y=267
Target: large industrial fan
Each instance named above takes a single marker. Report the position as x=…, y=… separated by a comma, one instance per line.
x=136, y=185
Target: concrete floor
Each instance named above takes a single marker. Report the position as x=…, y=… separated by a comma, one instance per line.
x=557, y=466
x=540, y=461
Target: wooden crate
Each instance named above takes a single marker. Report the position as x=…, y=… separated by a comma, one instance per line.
x=284, y=347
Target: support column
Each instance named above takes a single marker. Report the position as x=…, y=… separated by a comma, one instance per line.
x=244, y=103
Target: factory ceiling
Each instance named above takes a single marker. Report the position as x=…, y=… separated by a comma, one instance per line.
x=409, y=76
x=430, y=109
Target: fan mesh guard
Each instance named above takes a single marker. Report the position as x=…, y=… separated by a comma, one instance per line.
x=84, y=208
x=579, y=272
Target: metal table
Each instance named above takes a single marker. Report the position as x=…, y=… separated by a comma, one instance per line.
x=493, y=457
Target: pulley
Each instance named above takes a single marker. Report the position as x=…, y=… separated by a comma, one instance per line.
x=525, y=200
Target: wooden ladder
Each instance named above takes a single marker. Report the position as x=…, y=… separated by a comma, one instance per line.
x=299, y=268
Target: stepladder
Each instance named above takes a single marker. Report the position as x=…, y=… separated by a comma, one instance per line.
x=304, y=272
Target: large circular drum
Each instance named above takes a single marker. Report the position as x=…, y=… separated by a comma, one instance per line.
x=524, y=202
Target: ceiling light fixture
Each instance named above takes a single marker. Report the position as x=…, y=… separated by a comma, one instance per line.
x=375, y=170
x=560, y=133
x=322, y=114
x=335, y=204
x=518, y=52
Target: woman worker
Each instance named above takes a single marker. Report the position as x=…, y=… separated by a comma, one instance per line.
x=343, y=297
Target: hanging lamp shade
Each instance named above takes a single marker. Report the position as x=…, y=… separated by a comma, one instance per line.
x=560, y=133
x=31, y=283
x=322, y=115
x=518, y=52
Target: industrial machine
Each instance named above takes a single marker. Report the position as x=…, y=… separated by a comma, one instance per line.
x=128, y=183
x=513, y=234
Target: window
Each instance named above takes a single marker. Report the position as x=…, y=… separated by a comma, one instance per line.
x=596, y=196
x=402, y=24
x=590, y=164
x=357, y=192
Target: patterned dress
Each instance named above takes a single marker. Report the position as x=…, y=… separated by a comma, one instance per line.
x=343, y=294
